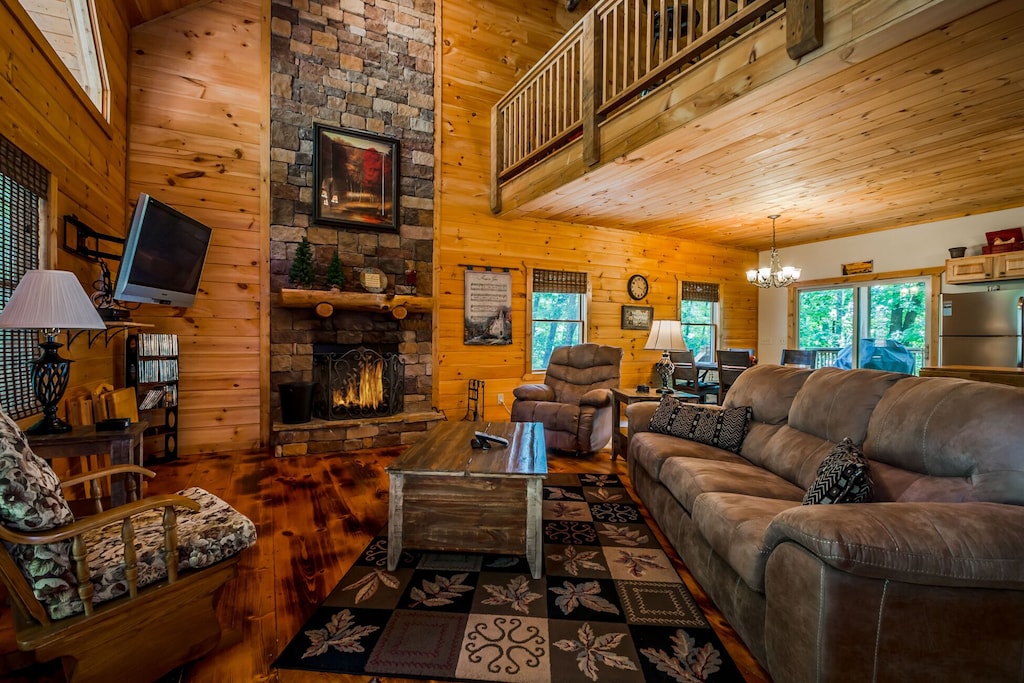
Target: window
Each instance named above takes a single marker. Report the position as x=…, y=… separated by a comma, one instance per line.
x=888, y=318
x=698, y=313
x=68, y=26
x=558, y=313
x=23, y=188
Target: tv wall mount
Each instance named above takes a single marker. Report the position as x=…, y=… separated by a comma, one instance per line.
x=87, y=242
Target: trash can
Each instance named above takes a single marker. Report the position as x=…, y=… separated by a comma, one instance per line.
x=296, y=401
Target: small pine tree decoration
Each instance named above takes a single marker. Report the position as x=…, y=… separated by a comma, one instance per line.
x=302, y=272
x=335, y=275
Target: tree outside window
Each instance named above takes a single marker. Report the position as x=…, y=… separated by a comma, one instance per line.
x=698, y=314
x=558, y=313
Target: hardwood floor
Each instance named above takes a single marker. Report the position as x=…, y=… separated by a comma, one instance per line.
x=314, y=515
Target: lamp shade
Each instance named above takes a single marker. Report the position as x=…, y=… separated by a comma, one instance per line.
x=666, y=335
x=50, y=299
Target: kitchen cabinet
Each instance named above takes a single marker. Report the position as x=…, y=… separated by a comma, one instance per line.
x=988, y=268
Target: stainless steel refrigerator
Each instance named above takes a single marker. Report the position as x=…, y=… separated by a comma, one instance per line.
x=982, y=328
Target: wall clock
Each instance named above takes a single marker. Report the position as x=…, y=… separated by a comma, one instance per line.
x=637, y=287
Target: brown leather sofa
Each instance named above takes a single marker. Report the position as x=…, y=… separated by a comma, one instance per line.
x=575, y=401
x=926, y=583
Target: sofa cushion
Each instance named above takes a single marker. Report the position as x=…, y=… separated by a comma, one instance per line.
x=834, y=404
x=687, y=478
x=734, y=525
x=651, y=450
x=768, y=389
x=843, y=477
x=714, y=426
x=948, y=440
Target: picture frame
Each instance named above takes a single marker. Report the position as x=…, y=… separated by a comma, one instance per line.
x=355, y=179
x=637, y=317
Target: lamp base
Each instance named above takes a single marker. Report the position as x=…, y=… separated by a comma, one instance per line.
x=49, y=424
x=49, y=381
x=666, y=368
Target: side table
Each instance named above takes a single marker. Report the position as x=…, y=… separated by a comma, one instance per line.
x=124, y=446
x=624, y=397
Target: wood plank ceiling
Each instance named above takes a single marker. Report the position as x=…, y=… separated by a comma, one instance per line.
x=930, y=130
x=141, y=11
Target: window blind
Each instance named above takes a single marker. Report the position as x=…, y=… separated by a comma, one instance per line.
x=559, y=281
x=23, y=188
x=699, y=291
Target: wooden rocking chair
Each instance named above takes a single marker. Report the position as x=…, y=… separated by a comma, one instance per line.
x=131, y=589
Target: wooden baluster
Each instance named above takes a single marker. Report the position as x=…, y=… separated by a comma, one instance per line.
x=131, y=564
x=171, y=543
x=80, y=556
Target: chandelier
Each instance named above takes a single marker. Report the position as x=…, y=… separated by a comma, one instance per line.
x=773, y=275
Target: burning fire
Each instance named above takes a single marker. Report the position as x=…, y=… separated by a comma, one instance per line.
x=363, y=388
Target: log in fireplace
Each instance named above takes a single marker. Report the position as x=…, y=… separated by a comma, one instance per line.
x=356, y=381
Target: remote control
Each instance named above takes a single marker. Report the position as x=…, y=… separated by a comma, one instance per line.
x=490, y=437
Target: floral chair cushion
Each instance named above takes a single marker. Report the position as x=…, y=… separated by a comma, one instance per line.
x=30, y=495
x=213, y=533
x=31, y=500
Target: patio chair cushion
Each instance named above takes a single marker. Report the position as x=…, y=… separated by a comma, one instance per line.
x=31, y=500
x=30, y=495
x=213, y=533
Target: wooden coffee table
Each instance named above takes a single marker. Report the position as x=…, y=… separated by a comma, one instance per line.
x=447, y=496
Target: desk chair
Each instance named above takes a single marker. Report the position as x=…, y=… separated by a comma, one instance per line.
x=730, y=365
x=800, y=358
x=686, y=376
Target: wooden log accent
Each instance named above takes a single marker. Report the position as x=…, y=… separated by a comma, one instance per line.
x=324, y=303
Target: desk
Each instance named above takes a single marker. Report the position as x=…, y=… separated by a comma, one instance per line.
x=124, y=446
x=621, y=397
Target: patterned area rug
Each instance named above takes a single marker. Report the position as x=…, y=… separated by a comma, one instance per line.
x=610, y=607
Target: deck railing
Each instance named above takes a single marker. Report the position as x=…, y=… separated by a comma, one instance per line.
x=620, y=50
x=827, y=357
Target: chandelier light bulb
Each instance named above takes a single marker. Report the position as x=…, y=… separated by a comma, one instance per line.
x=774, y=275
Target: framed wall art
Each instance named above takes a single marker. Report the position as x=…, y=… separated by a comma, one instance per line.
x=488, y=318
x=637, y=317
x=355, y=176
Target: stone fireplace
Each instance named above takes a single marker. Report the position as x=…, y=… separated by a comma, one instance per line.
x=368, y=67
x=355, y=382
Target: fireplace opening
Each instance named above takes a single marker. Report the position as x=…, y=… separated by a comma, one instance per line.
x=357, y=381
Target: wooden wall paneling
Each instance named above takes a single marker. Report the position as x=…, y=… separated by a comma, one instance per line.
x=198, y=114
x=47, y=115
x=467, y=232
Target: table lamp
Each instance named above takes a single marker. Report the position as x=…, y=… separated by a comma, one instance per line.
x=50, y=300
x=666, y=335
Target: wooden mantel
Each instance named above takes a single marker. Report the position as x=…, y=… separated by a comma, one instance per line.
x=324, y=302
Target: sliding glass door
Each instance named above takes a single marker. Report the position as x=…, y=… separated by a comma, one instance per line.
x=888, y=320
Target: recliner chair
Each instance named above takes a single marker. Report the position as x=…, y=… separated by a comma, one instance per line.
x=575, y=401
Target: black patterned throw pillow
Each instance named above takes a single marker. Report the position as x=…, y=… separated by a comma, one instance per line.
x=843, y=477
x=721, y=427
x=661, y=420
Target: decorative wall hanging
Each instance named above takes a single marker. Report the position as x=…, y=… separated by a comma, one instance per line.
x=488, y=312
x=355, y=177
x=637, y=317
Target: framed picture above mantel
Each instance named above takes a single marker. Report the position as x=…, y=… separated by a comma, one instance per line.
x=355, y=177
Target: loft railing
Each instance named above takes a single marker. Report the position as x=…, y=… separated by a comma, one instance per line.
x=617, y=52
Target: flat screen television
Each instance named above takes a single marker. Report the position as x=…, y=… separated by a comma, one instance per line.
x=163, y=256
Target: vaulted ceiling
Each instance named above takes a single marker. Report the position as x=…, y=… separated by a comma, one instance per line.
x=928, y=130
